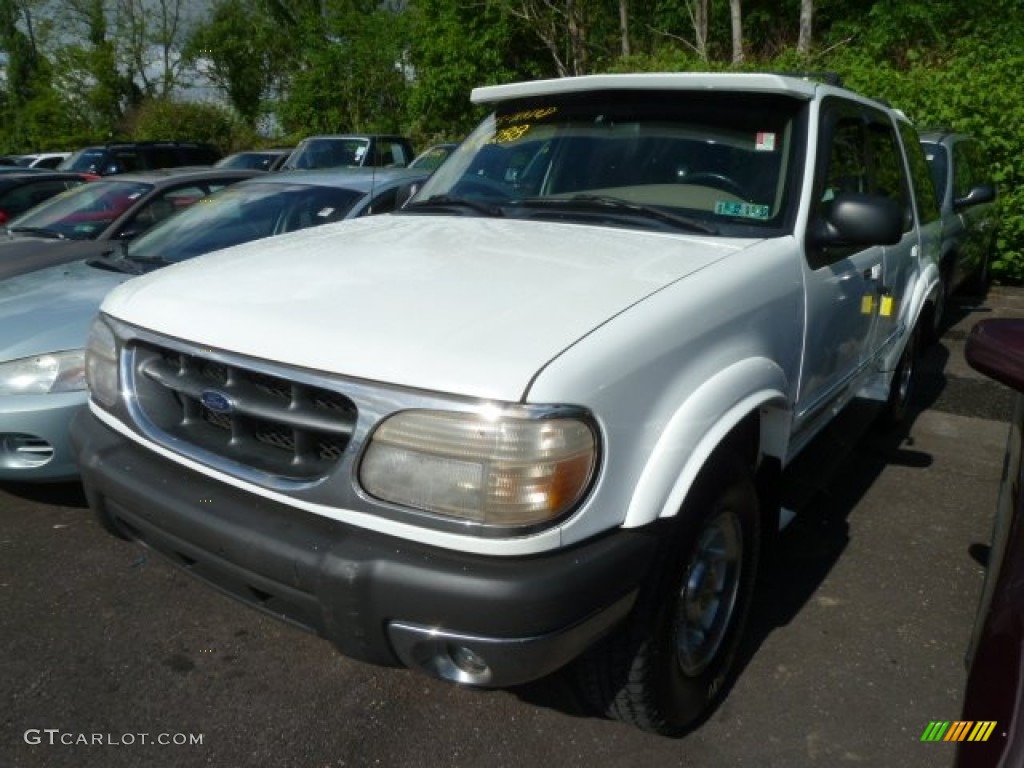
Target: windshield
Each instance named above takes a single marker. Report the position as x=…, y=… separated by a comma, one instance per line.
x=241, y=213
x=87, y=160
x=724, y=162
x=328, y=152
x=83, y=212
x=430, y=159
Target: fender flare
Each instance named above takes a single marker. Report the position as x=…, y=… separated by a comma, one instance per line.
x=700, y=425
x=926, y=291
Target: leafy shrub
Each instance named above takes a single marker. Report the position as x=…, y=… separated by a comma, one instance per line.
x=161, y=119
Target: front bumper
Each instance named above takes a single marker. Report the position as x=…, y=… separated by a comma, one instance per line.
x=492, y=621
x=34, y=443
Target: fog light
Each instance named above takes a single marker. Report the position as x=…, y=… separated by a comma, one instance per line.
x=467, y=661
x=19, y=451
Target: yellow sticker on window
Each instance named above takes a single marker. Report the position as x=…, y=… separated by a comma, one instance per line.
x=867, y=304
x=886, y=307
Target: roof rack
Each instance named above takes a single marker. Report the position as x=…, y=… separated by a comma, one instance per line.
x=829, y=78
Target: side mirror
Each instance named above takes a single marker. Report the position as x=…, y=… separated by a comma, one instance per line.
x=856, y=219
x=982, y=193
x=995, y=347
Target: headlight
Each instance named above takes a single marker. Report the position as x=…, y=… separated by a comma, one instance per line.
x=101, y=363
x=44, y=374
x=494, y=469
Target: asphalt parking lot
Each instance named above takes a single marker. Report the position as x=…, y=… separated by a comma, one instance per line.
x=856, y=643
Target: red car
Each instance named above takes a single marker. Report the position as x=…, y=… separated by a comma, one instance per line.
x=23, y=189
x=995, y=690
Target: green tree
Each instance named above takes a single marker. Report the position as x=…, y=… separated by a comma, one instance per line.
x=240, y=48
x=89, y=69
x=151, y=36
x=455, y=47
x=33, y=111
x=350, y=76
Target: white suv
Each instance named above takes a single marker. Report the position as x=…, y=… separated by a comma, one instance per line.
x=544, y=414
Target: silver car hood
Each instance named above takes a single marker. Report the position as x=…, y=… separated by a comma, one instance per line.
x=50, y=310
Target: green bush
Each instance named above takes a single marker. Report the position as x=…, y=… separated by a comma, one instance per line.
x=159, y=119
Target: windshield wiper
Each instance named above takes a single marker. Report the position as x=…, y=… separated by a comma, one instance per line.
x=115, y=264
x=589, y=202
x=120, y=260
x=450, y=201
x=149, y=262
x=40, y=231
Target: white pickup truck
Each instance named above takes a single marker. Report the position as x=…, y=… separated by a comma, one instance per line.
x=543, y=414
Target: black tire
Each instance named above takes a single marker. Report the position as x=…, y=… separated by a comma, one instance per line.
x=901, y=388
x=667, y=666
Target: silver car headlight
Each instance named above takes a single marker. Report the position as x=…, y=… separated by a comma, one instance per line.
x=101, y=363
x=44, y=374
x=496, y=468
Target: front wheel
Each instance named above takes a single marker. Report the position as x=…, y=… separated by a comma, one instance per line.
x=667, y=666
x=901, y=387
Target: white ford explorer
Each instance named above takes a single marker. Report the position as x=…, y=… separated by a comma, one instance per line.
x=545, y=413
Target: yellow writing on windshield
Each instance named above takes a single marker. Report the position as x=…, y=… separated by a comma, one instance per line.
x=512, y=133
x=528, y=115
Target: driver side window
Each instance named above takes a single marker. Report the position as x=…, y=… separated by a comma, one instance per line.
x=847, y=162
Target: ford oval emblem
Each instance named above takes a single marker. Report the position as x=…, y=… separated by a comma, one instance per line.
x=215, y=401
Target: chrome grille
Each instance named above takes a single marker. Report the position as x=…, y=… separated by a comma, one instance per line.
x=288, y=428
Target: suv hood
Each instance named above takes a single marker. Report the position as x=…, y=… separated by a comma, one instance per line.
x=452, y=304
x=50, y=310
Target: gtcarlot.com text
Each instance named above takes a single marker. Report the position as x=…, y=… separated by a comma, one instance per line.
x=56, y=737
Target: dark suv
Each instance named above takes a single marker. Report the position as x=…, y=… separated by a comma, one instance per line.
x=967, y=196
x=127, y=157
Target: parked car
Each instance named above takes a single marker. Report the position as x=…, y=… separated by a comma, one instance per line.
x=132, y=156
x=351, y=151
x=88, y=220
x=20, y=192
x=967, y=195
x=45, y=315
x=542, y=415
x=995, y=689
x=432, y=157
x=42, y=159
x=257, y=159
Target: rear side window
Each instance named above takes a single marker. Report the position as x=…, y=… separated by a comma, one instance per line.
x=161, y=157
x=198, y=155
x=394, y=154
x=165, y=205
x=125, y=161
